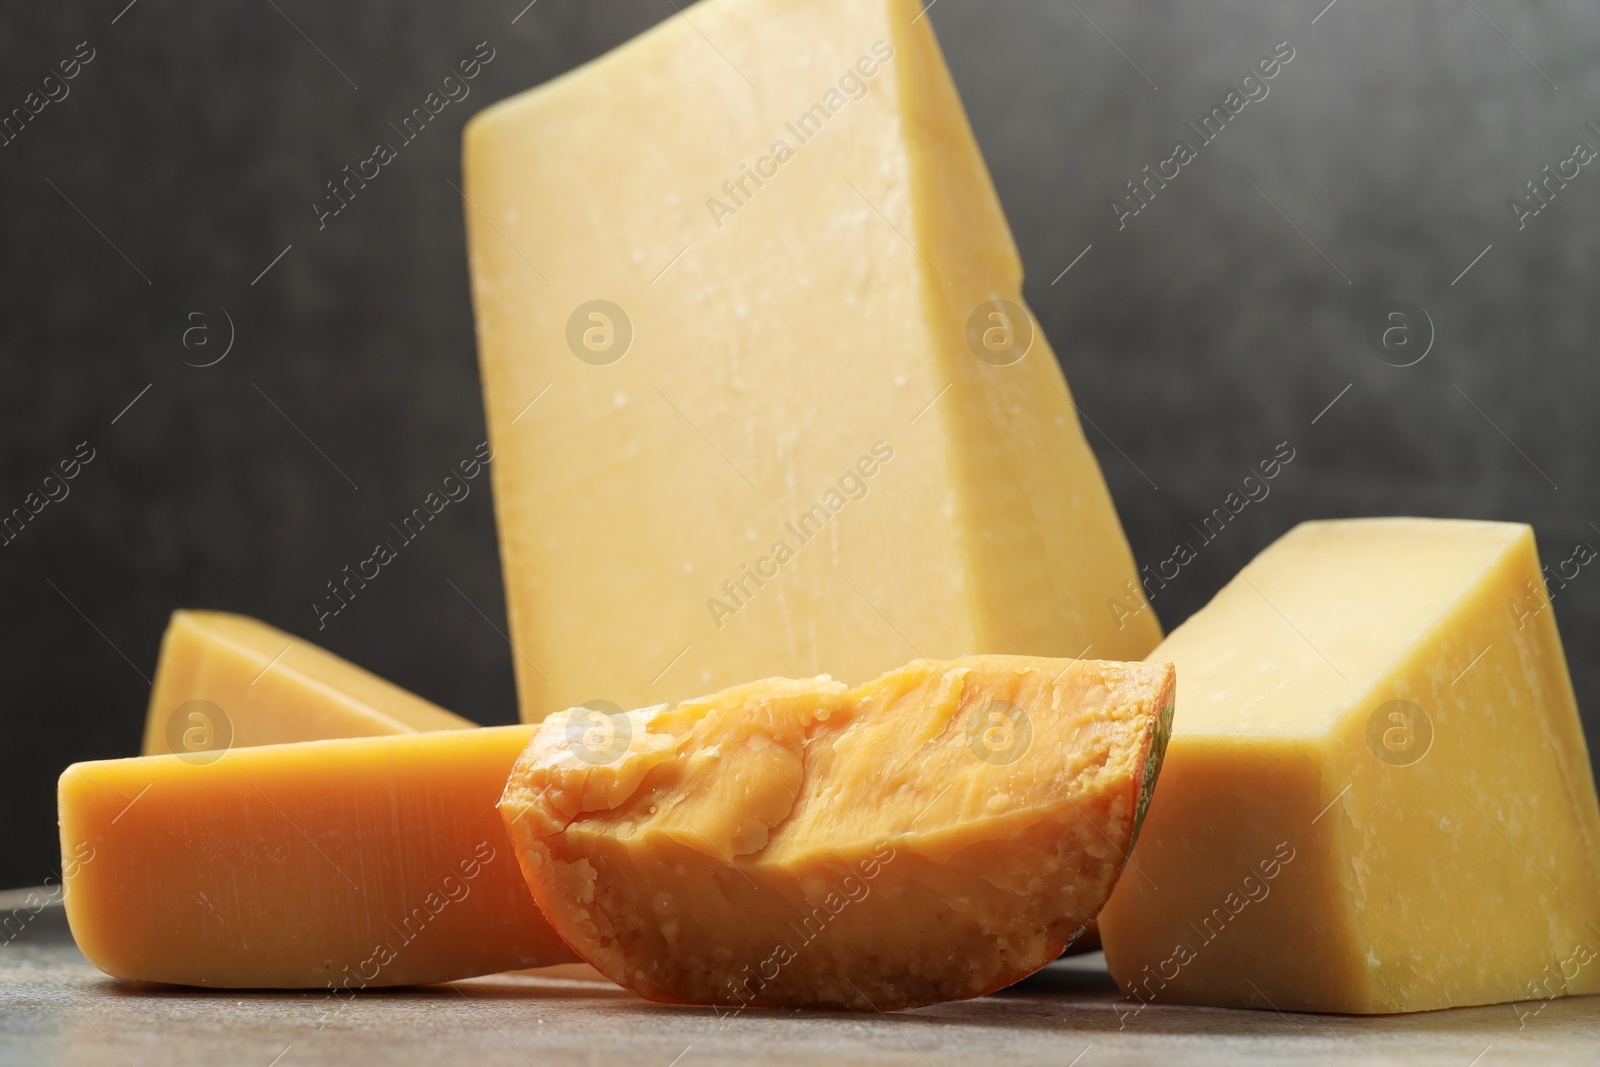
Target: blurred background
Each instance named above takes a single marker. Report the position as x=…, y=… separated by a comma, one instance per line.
x=259, y=395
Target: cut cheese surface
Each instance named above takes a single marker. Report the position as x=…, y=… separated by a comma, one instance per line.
x=763, y=397
x=326, y=864
x=226, y=681
x=1377, y=796
x=934, y=834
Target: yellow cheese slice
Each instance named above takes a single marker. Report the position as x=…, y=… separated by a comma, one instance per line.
x=1377, y=796
x=226, y=681
x=331, y=865
x=936, y=833
x=762, y=394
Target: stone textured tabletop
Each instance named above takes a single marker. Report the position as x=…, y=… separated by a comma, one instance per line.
x=56, y=1008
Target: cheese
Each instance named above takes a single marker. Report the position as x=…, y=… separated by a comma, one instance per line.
x=1377, y=796
x=762, y=394
x=227, y=681
x=937, y=833
x=323, y=865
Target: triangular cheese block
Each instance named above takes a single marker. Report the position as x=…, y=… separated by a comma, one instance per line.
x=1377, y=796
x=763, y=396
x=228, y=681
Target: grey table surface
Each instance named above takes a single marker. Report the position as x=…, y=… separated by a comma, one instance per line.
x=55, y=1007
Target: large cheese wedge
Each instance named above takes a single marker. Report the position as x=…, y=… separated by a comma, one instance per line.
x=326, y=864
x=934, y=834
x=762, y=394
x=226, y=681
x=1377, y=797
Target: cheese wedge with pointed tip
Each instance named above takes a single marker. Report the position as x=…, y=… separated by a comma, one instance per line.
x=228, y=681
x=934, y=834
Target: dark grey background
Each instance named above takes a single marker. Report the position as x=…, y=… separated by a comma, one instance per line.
x=1197, y=339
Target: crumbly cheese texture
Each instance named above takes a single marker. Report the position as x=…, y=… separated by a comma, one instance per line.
x=271, y=688
x=1377, y=797
x=935, y=834
x=794, y=463
x=322, y=865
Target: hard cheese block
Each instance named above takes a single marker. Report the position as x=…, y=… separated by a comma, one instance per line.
x=226, y=681
x=326, y=864
x=937, y=833
x=762, y=395
x=1377, y=797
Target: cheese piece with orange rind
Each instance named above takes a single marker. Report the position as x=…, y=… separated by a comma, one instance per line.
x=935, y=834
